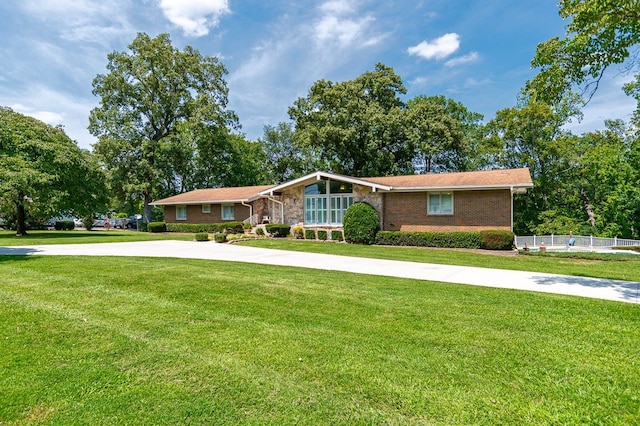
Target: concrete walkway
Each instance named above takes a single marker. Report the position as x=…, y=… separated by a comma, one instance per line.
x=623, y=291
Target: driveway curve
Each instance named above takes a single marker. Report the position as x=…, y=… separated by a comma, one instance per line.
x=622, y=291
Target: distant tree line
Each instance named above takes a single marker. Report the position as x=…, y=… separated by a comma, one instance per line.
x=163, y=127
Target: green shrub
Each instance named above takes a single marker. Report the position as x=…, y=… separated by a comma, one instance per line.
x=322, y=234
x=192, y=227
x=336, y=235
x=278, y=230
x=232, y=227
x=260, y=231
x=64, y=225
x=471, y=240
x=361, y=223
x=219, y=237
x=310, y=234
x=298, y=233
x=87, y=222
x=246, y=226
x=156, y=227
x=143, y=227
x=202, y=236
x=497, y=240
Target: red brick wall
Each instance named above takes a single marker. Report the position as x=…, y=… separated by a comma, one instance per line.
x=195, y=215
x=472, y=211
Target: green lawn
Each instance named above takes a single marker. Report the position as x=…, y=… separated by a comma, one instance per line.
x=167, y=341
x=616, y=266
x=8, y=238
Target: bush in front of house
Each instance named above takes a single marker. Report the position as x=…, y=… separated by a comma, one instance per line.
x=220, y=237
x=247, y=226
x=192, y=227
x=260, y=231
x=157, y=227
x=298, y=233
x=64, y=225
x=322, y=235
x=470, y=240
x=361, y=223
x=497, y=240
x=232, y=227
x=278, y=230
x=336, y=235
x=202, y=236
x=310, y=234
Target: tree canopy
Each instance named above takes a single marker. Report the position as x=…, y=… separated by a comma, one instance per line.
x=157, y=106
x=43, y=173
x=600, y=33
x=356, y=126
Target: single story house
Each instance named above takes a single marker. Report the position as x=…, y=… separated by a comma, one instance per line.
x=462, y=201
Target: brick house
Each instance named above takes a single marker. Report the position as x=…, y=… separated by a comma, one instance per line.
x=463, y=201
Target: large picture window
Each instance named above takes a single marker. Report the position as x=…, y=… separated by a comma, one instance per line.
x=326, y=201
x=181, y=212
x=440, y=203
x=228, y=212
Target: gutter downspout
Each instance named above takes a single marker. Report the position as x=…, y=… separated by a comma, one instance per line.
x=250, y=212
x=270, y=198
x=511, y=209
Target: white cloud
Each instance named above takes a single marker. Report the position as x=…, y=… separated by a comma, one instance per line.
x=438, y=48
x=471, y=57
x=49, y=117
x=340, y=25
x=195, y=17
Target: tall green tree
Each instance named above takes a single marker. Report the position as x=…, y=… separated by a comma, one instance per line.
x=444, y=133
x=156, y=104
x=356, y=126
x=599, y=34
x=286, y=160
x=532, y=136
x=44, y=173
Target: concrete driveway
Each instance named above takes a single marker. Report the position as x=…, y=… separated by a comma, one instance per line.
x=623, y=291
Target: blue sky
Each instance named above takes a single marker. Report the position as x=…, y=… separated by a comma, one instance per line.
x=476, y=52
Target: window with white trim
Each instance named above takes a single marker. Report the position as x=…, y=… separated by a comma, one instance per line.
x=206, y=208
x=181, y=212
x=440, y=203
x=326, y=201
x=228, y=212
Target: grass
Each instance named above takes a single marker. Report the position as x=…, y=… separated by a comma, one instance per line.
x=156, y=341
x=614, y=266
x=8, y=238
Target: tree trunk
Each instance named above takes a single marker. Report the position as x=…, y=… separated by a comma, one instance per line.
x=146, y=212
x=588, y=207
x=21, y=226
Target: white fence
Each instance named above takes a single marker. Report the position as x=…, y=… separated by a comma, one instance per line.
x=581, y=241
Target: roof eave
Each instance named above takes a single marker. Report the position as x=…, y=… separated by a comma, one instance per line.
x=459, y=187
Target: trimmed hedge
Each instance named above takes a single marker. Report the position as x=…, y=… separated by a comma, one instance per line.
x=361, y=223
x=471, y=240
x=322, y=234
x=488, y=240
x=220, y=237
x=157, y=227
x=497, y=240
x=64, y=225
x=202, y=236
x=278, y=230
x=336, y=235
x=310, y=234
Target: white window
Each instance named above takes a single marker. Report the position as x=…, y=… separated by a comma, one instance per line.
x=440, y=203
x=181, y=212
x=206, y=208
x=326, y=201
x=228, y=212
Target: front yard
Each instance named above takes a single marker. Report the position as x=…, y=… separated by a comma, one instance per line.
x=167, y=341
